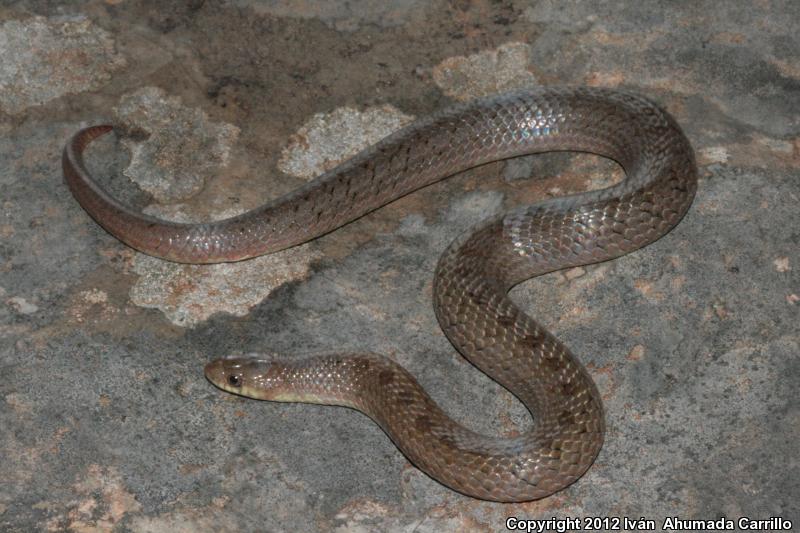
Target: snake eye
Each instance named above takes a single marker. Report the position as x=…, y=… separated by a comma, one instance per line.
x=234, y=381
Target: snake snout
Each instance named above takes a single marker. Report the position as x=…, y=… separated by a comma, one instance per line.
x=227, y=373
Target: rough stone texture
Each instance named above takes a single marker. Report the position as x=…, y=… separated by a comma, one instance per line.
x=327, y=139
x=342, y=16
x=47, y=58
x=189, y=294
x=107, y=420
x=180, y=149
x=485, y=73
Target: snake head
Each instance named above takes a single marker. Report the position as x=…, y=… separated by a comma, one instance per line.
x=268, y=377
x=245, y=375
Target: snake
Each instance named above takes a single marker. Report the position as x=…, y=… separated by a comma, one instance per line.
x=472, y=279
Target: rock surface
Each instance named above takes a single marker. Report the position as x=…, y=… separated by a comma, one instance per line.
x=108, y=422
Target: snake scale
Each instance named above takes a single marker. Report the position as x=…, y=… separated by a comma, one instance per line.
x=472, y=277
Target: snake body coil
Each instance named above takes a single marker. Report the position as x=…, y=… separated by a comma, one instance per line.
x=472, y=278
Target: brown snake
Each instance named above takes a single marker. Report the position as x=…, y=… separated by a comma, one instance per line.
x=472, y=278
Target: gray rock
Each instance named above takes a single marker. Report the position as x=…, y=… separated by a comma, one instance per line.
x=108, y=422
